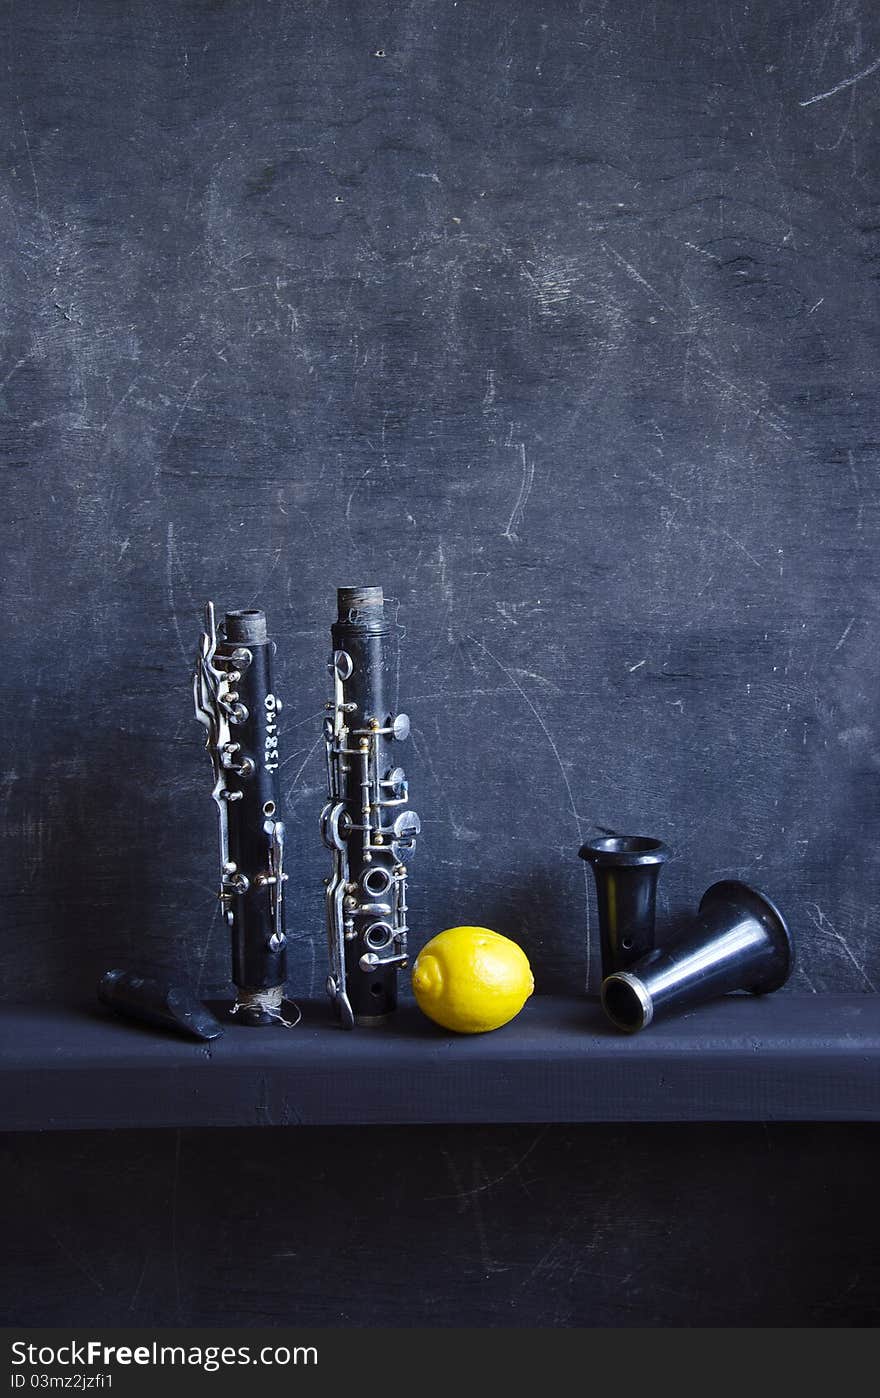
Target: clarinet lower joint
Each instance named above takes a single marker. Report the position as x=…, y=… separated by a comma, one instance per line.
x=366, y=824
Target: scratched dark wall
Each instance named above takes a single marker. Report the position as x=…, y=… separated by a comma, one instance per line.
x=737, y=1224
x=559, y=321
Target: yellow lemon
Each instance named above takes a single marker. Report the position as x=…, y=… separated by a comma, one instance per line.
x=470, y=979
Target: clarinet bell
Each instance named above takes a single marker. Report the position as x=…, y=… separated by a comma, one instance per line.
x=740, y=941
x=626, y=869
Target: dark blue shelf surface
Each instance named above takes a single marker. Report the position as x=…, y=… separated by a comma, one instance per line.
x=781, y=1058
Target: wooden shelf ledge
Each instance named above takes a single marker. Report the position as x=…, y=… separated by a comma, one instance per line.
x=781, y=1058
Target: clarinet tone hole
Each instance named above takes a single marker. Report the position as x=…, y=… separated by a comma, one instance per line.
x=377, y=989
x=269, y=808
x=376, y=882
x=627, y=943
x=379, y=936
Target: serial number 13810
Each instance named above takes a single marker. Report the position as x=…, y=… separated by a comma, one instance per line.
x=273, y=707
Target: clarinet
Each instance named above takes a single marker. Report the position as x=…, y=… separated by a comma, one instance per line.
x=235, y=700
x=365, y=822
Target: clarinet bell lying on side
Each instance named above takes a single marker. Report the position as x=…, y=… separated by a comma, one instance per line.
x=740, y=941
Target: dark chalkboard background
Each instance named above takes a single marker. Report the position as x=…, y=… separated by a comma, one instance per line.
x=559, y=321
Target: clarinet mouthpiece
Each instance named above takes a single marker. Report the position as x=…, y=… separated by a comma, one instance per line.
x=160, y=1003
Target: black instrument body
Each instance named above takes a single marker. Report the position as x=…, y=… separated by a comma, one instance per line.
x=366, y=822
x=738, y=941
x=157, y=1002
x=626, y=869
x=236, y=700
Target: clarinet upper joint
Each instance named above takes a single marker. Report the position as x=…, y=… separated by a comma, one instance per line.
x=235, y=700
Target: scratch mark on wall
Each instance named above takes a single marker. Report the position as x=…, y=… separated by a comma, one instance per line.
x=802, y=975
x=140, y=1282
x=170, y=560
x=845, y=83
x=849, y=626
x=463, y=1194
x=456, y=694
x=288, y=727
x=573, y=808
x=636, y=275
x=857, y=488
x=738, y=544
x=302, y=766
x=516, y=514
x=118, y=404
x=445, y=584
x=554, y=282
x=697, y=354
x=264, y=584
x=711, y=530
x=539, y=679
x=757, y=410
x=460, y=832
x=469, y=1199
x=354, y=491
x=211, y=925
x=830, y=23
x=30, y=161
x=15, y=368
x=703, y=251
x=821, y=923
x=193, y=386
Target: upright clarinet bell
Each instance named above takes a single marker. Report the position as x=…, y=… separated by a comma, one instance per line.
x=740, y=941
x=626, y=869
